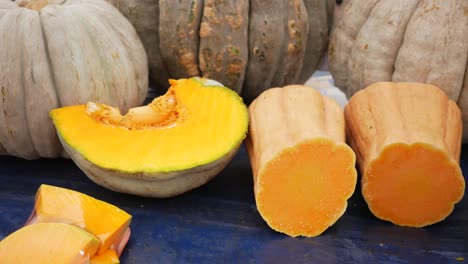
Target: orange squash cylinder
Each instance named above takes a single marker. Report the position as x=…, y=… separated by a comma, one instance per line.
x=303, y=170
x=407, y=139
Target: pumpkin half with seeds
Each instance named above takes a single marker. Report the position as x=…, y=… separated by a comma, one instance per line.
x=55, y=53
x=248, y=46
x=174, y=144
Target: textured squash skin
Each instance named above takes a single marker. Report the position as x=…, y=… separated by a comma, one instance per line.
x=67, y=53
x=407, y=140
x=423, y=41
x=303, y=170
x=249, y=46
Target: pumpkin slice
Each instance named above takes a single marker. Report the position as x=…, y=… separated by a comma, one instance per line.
x=176, y=143
x=45, y=243
x=108, y=257
x=407, y=138
x=107, y=222
x=303, y=170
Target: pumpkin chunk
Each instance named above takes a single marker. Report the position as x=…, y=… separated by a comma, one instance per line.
x=407, y=137
x=45, y=243
x=303, y=170
x=107, y=222
x=107, y=257
x=176, y=143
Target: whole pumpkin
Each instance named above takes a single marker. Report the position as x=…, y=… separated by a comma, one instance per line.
x=422, y=41
x=56, y=53
x=248, y=46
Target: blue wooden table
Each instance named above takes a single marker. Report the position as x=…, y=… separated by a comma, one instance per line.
x=218, y=223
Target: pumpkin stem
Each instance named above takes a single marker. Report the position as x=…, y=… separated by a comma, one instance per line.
x=162, y=112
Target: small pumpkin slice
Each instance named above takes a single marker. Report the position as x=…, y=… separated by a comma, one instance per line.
x=107, y=222
x=407, y=139
x=303, y=170
x=176, y=143
x=45, y=243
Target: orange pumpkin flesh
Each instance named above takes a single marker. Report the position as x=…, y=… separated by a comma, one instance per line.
x=303, y=170
x=45, y=243
x=107, y=222
x=407, y=138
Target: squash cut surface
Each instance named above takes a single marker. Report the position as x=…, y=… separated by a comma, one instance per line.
x=45, y=243
x=303, y=171
x=211, y=121
x=107, y=222
x=407, y=138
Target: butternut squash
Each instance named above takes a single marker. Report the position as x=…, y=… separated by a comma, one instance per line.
x=45, y=243
x=407, y=139
x=303, y=170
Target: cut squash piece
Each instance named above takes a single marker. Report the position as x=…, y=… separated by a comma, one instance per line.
x=107, y=222
x=107, y=257
x=46, y=243
x=176, y=143
x=303, y=170
x=407, y=138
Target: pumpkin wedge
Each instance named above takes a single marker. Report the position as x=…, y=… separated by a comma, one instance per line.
x=303, y=170
x=407, y=139
x=107, y=222
x=45, y=243
x=176, y=143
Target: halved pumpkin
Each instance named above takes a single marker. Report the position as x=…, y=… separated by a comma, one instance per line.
x=45, y=243
x=107, y=222
x=176, y=143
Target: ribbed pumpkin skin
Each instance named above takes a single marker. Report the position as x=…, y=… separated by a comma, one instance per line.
x=423, y=41
x=68, y=52
x=248, y=46
x=407, y=140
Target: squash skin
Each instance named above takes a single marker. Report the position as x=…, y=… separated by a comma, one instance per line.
x=423, y=41
x=392, y=127
x=45, y=65
x=237, y=60
x=309, y=134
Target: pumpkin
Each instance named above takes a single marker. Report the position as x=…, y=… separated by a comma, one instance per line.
x=107, y=222
x=407, y=139
x=62, y=53
x=45, y=243
x=174, y=144
x=303, y=170
x=423, y=41
x=248, y=46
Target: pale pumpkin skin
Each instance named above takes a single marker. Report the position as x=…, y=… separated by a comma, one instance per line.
x=249, y=46
x=422, y=41
x=65, y=53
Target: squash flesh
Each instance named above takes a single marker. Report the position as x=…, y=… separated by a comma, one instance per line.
x=107, y=222
x=304, y=189
x=303, y=170
x=407, y=139
x=45, y=243
x=215, y=123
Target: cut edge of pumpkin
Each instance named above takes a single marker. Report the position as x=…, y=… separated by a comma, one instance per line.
x=305, y=205
x=418, y=191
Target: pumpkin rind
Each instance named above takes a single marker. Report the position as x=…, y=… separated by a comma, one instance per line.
x=407, y=139
x=65, y=53
x=423, y=41
x=242, y=43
